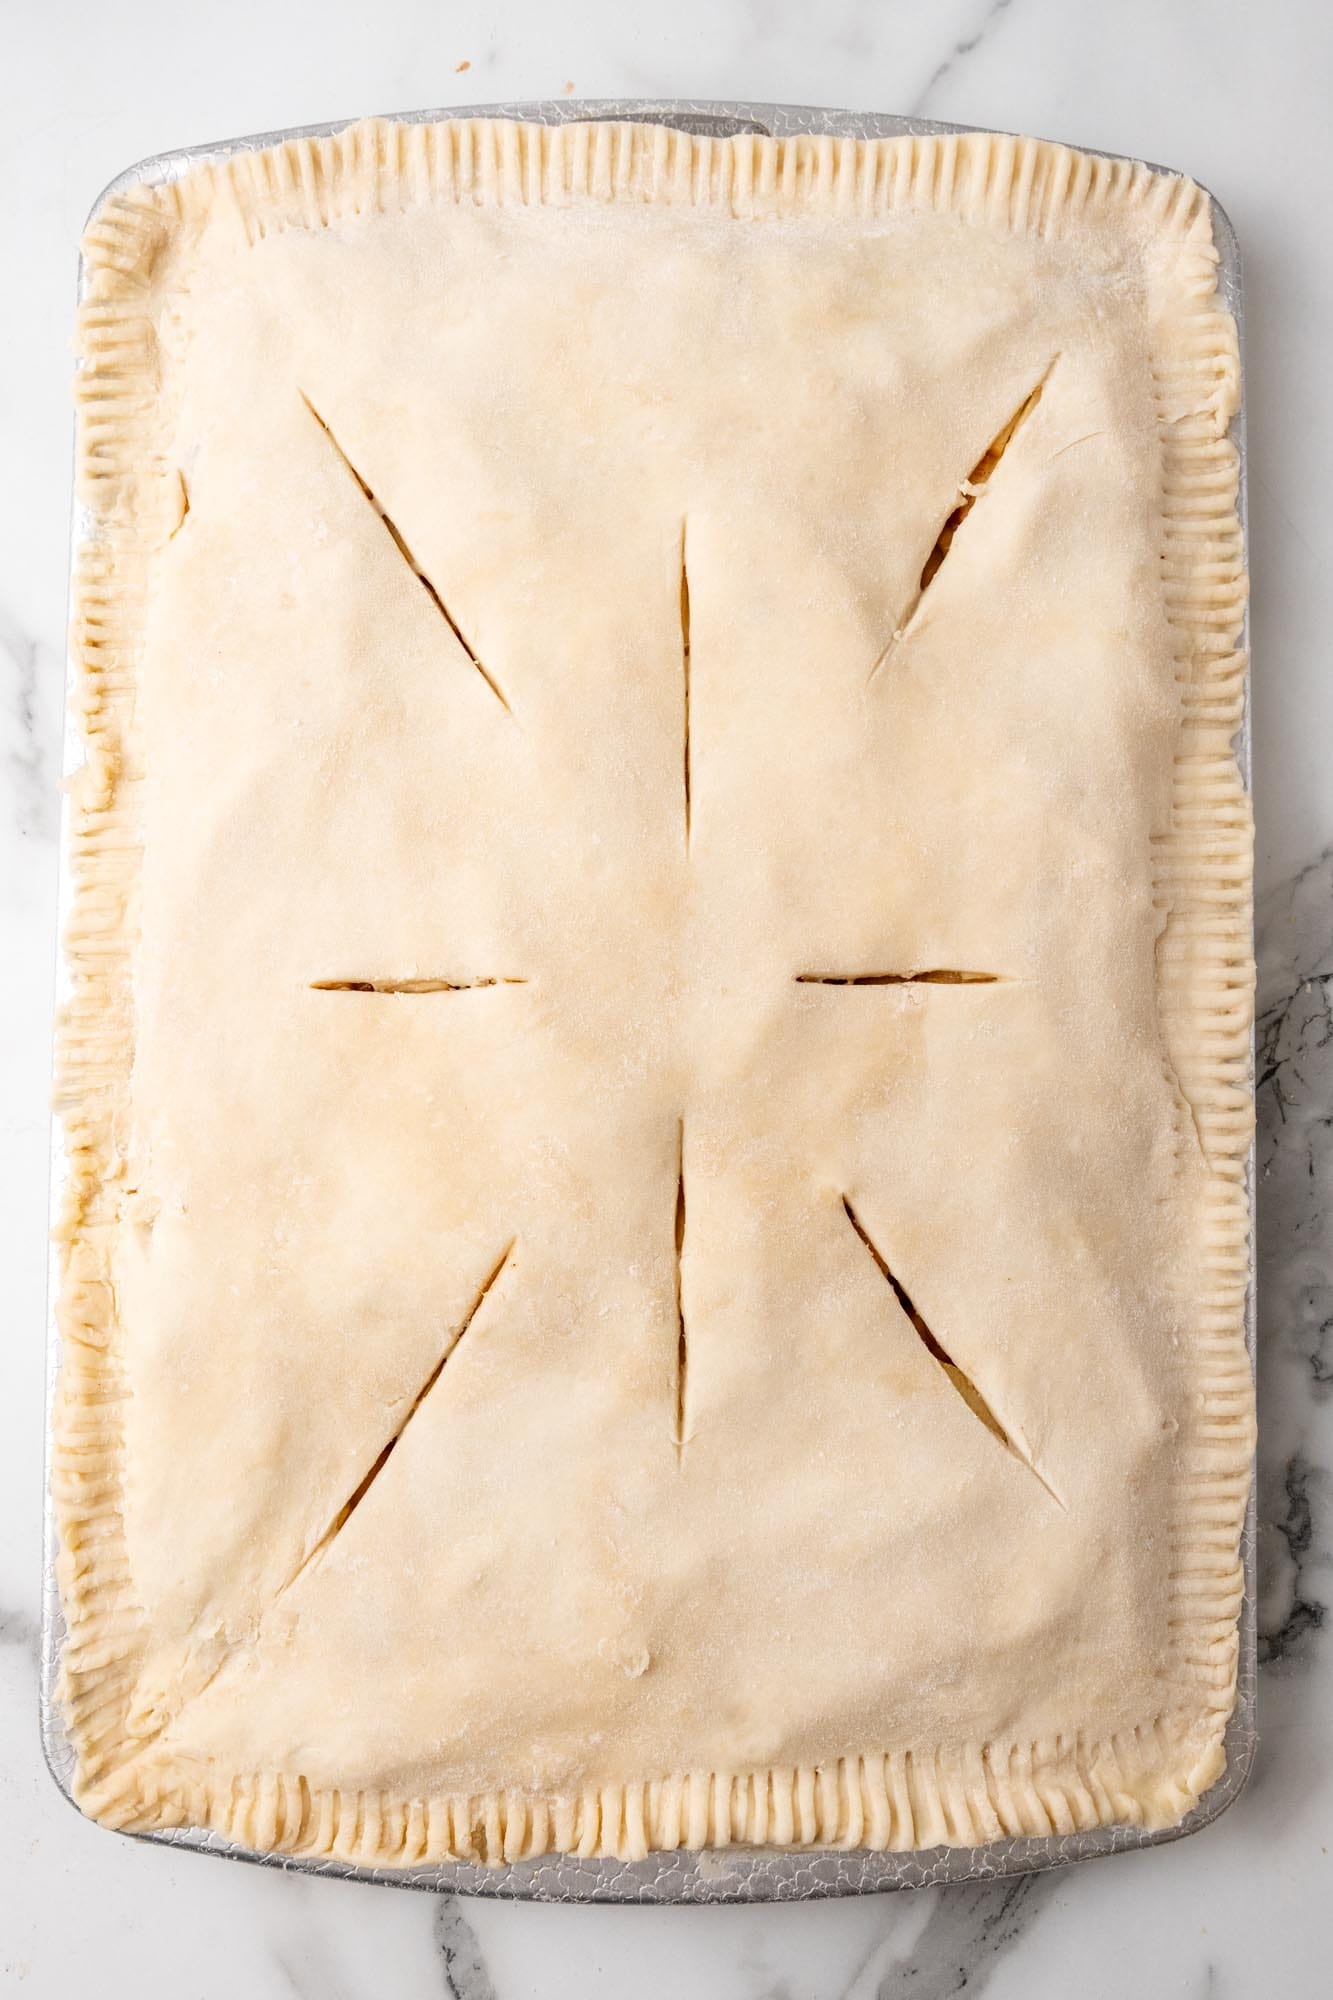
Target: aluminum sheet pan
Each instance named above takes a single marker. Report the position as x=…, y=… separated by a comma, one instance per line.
x=733, y=1874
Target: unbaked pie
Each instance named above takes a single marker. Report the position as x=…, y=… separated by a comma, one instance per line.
x=657, y=1066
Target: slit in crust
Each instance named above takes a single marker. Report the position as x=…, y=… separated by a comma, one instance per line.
x=396, y=537
x=941, y=976
x=409, y=985
x=970, y=491
x=363, y=1486
x=961, y=1382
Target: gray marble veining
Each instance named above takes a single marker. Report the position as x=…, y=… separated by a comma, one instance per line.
x=950, y=65
x=461, y=1960
x=1294, y=1076
x=967, y=1935
x=31, y=680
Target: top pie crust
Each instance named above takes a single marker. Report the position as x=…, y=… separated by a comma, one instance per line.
x=571, y=1338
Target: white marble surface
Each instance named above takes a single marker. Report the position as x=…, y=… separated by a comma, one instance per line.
x=1231, y=90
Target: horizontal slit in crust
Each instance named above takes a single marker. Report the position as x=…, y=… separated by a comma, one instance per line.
x=970, y=492
x=409, y=985
x=941, y=976
x=962, y=1383
x=405, y=552
x=359, y=1492
x=682, y=1338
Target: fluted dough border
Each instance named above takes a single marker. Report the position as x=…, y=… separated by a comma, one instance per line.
x=895, y=1799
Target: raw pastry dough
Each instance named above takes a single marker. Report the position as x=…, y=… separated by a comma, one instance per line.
x=657, y=1072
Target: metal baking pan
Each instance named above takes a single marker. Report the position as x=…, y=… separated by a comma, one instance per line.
x=733, y=1874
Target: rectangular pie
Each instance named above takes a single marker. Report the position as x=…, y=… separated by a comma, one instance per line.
x=657, y=1071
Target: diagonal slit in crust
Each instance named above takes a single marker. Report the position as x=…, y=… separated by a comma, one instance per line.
x=405, y=552
x=970, y=492
x=409, y=985
x=359, y=1492
x=685, y=666
x=682, y=1344
x=941, y=976
x=963, y=1384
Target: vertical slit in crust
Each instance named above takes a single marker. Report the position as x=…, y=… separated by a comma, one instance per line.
x=970, y=492
x=936, y=977
x=682, y=1343
x=359, y=1492
x=405, y=552
x=685, y=668
x=963, y=1384
x=409, y=985
x=184, y=506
